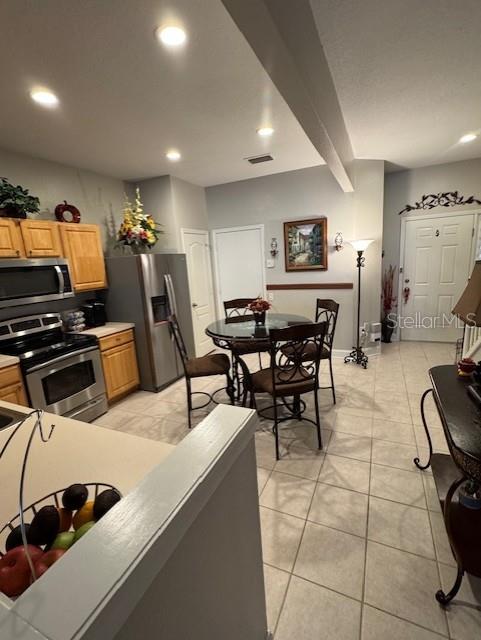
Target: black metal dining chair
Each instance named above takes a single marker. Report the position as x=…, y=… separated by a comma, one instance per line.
x=289, y=375
x=214, y=364
x=326, y=311
x=236, y=310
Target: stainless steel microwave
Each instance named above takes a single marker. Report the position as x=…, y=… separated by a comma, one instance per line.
x=29, y=281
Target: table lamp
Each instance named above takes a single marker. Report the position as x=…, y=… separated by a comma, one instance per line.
x=357, y=355
x=468, y=309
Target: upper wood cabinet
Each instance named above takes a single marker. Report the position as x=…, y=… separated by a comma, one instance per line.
x=83, y=248
x=41, y=238
x=11, y=244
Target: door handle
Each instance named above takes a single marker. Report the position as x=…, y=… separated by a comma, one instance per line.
x=194, y=305
x=406, y=293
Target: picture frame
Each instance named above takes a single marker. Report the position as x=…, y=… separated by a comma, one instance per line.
x=305, y=244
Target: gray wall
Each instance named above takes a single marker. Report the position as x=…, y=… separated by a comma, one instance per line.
x=408, y=187
x=97, y=197
x=307, y=193
x=177, y=205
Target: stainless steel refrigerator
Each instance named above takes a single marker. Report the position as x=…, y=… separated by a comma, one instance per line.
x=145, y=289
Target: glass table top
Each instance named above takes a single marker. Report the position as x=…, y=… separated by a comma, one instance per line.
x=240, y=327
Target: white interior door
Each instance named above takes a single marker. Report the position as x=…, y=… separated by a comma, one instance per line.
x=437, y=260
x=197, y=251
x=239, y=263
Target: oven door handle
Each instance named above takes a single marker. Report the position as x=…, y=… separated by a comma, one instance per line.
x=44, y=365
x=61, y=280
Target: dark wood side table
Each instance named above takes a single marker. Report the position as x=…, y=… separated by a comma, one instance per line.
x=461, y=420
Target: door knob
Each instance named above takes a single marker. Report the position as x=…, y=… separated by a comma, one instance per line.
x=406, y=281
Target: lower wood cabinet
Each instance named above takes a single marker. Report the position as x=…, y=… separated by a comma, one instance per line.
x=119, y=361
x=11, y=386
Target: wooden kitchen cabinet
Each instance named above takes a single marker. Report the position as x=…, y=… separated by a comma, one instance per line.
x=11, y=386
x=11, y=244
x=83, y=248
x=119, y=361
x=41, y=238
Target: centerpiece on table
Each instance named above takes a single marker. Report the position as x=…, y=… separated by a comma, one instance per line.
x=259, y=306
x=138, y=230
x=388, y=321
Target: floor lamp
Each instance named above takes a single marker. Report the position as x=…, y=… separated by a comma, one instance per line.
x=357, y=355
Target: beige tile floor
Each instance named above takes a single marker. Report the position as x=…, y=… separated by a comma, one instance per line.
x=353, y=539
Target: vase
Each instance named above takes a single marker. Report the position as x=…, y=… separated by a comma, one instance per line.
x=138, y=249
x=387, y=329
x=260, y=317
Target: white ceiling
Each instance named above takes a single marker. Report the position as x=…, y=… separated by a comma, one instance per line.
x=124, y=99
x=408, y=76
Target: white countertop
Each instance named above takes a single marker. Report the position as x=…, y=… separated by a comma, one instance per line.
x=76, y=452
x=7, y=361
x=109, y=328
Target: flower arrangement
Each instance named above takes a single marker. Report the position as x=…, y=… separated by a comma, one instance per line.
x=259, y=305
x=138, y=229
x=388, y=322
x=388, y=297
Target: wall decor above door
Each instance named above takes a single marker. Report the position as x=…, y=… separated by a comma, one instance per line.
x=446, y=199
x=305, y=244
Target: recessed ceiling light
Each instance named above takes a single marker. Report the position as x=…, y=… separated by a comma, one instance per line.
x=44, y=97
x=173, y=155
x=171, y=36
x=265, y=131
x=469, y=137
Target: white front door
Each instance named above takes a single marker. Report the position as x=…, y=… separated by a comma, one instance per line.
x=239, y=263
x=196, y=248
x=436, y=266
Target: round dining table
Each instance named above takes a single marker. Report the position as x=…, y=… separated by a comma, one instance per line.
x=238, y=328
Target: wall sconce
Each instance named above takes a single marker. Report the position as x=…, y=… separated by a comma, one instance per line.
x=338, y=241
x=274, y=250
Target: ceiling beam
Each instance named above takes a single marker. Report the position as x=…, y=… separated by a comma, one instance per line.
x=284, y=37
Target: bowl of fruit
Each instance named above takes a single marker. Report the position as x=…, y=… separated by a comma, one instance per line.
x=48, y=531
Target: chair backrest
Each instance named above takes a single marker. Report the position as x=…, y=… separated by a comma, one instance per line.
x=179, y=340
x=296, y=353
x=327, y=311
x=237, y=307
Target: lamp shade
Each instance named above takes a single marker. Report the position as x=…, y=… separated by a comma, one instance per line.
x=468, y=307
x=360, y=245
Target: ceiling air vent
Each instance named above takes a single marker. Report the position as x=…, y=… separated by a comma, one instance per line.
x=257, y=159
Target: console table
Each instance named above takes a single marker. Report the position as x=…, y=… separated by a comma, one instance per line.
x=461, y=421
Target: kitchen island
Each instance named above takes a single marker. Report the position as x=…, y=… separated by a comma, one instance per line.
x=178, y=557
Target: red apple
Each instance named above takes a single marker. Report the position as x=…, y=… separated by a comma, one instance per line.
x=46, y=561
x=15, y=571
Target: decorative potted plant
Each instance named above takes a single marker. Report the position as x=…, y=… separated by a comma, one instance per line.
x=16, y=202
x=388, y=322
x=138, y=230
x=259, y=306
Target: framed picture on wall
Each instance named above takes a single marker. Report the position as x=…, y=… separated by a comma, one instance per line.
x=305, y=244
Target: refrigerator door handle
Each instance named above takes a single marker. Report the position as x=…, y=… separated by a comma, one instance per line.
x=170, y=293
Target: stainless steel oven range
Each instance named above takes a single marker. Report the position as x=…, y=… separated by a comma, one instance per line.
x=62, y=371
